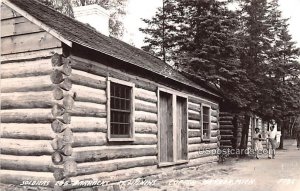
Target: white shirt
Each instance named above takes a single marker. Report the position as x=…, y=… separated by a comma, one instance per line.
x=272, y=134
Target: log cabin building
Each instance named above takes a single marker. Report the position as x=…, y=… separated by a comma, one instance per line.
x=79, y=105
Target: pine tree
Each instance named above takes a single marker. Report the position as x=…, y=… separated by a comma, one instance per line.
x=161, y=32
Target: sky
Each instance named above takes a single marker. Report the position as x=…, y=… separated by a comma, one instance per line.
x=138, y=9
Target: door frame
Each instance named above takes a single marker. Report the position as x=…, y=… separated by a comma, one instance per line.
x=174, y=94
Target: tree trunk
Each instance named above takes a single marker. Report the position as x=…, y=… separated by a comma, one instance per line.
x=245, y=131
x=282, y=127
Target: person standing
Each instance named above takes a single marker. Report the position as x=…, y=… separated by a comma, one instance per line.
x=272, y=142
x=257, y=142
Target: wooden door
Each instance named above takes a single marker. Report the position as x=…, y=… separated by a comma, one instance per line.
x=166, y=127
x=181, y=128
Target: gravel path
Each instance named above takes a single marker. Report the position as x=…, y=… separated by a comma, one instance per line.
x=279, y=174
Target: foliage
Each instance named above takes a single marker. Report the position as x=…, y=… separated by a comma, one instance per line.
x=247, y=52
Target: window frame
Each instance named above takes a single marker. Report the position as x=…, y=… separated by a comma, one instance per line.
x=132, y=107
x=202, y=122
x=174, y=94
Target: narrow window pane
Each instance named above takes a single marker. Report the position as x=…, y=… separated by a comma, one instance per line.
x=120, y=110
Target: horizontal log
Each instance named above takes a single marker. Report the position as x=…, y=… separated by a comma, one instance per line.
x=145, y=95
x=99, y=139
x=98, y=153
x=87, y=94
x=202, y=147
x=225, y=122
x=206, y=153
x=25, y=56
x=227, y=127
x=115, y=176
x=194, y=140
x=198, y=161
x=194, y=107
x=26, y=69
x=141, y=116
x=196, y=100
x=26, y=131
x=213, y=140
x=214, y=133
x=27, y=100
x=88, y=124
x=27, y=163
x=193, y=115
x=17, y=177
x=226, y=132
x=214, y=126
x=214, y=113
x=102, y=70
x=145, y=139
x=116, y=164
x=86, y=109
x=194, y=133
x=29, y=42
x=225, y=142
x=226, y=118
x=145, y=106
x=227, y=137
x=225, y=113
x=88, y=80
x=89, y=139
x=89, y=75
x=26, y=116
x=25, y=147
x=142, y=127
x=36, y=83
x=213, y=119
x=194, y=124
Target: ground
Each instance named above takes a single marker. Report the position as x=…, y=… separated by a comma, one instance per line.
x=247, y=174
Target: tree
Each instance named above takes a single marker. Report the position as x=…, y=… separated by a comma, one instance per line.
x=161, y=32
x=63, y=6
x=248, y=53
x=115, y=7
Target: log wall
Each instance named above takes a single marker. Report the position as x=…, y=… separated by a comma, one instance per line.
x=196, y=146
x=92, y=151
x=96, y=157
x=26, y=100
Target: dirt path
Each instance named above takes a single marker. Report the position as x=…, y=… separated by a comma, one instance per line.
x=279, y=174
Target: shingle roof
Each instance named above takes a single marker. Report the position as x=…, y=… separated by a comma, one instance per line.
x=81, y=34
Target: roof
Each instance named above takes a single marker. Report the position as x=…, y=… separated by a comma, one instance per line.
x=79, y=33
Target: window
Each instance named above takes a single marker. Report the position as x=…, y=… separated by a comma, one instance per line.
x=205, y=123
x=172, y=123
x=120, y=108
